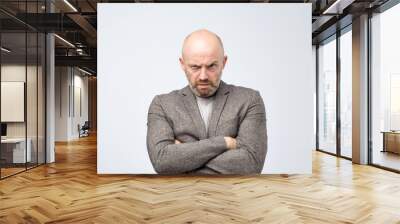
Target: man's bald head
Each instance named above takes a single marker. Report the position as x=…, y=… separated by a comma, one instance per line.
x=200, y=41
x=203, y=60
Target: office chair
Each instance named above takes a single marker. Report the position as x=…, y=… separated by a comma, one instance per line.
x=84, y=130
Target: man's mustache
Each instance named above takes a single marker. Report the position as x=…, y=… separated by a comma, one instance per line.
x=204, y=83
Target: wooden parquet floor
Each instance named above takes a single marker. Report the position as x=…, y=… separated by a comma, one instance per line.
x=70, y=191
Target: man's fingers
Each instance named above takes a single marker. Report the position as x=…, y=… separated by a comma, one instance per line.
x=230, y=142
x=234, y=143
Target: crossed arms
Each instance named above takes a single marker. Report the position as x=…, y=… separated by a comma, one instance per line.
x=215, y=153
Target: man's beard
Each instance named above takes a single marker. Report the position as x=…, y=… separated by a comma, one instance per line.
x=212, y=89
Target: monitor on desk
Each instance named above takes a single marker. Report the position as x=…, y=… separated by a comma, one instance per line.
x=3, y=130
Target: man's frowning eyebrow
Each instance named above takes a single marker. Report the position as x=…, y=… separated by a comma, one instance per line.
x=212, y=63
x=209, y=65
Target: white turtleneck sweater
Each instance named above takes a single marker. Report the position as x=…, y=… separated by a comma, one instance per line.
x=205, y=107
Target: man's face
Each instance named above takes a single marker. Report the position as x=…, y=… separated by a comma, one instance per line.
x=203, y=68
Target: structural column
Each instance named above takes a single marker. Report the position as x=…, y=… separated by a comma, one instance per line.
x=50, y=92
x=360, y=90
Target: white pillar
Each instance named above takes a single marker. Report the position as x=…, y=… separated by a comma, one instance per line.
x=360, y=90
x=50, y=91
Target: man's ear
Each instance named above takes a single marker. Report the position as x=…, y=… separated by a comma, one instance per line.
x=182, y=63
x=224, y=62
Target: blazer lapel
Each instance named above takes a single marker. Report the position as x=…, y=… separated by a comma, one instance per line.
x=190, y=103
x=218, y=106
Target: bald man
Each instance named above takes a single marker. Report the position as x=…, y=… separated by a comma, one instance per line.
x=208, y=127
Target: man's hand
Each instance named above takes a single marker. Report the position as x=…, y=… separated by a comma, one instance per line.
x=230, y=142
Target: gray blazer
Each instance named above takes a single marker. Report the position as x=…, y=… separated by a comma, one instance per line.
x=238, y=112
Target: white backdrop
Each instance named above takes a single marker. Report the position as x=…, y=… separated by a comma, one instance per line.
x=268, y=48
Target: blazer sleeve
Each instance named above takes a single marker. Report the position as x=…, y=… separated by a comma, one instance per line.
x=170, y=158
x=249, y=156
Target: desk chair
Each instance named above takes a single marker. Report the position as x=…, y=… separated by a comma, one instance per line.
x=84, y=130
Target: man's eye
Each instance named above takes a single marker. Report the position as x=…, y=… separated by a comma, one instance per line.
x=213, y=66
x=195, y=67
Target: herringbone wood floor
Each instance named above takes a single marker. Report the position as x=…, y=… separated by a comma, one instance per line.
x=70, y=191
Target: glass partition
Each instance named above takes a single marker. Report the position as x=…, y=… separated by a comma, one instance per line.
x=32, y=95
x=22, y=77
x=14, y=153
x=327, y=96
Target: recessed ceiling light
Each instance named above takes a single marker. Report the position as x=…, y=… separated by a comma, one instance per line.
x=70, y=5
x=338, y=6
x=5, y=50
x=84, y=71
x=64, y=40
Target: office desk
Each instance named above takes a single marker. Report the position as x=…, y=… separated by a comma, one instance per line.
x=13, y=150
x=391, y=141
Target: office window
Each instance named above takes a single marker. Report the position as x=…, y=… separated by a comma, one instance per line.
x=385, y=88
x=327, y=96
x=346, y=94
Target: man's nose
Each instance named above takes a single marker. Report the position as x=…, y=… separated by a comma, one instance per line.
x=203, y=74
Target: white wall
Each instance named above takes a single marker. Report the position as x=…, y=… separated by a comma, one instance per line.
x=268, y=48
x=61, y=103
x=80, y=84
x=68, y=81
